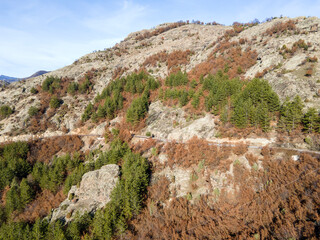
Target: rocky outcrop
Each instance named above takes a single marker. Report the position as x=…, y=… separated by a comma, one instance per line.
x=93, y=193
x=176, y=124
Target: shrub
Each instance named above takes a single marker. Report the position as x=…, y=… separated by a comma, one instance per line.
x=177, y=79
x=55, y=102
x=87, y=113
x=34, y=90
x=33, y=111
x=73, y=88
x=138, y=109
x=5, y=111
x=50, y=84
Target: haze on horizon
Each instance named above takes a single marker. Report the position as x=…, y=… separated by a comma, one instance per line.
x=47, y=35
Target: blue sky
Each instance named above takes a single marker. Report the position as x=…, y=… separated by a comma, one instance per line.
x=46, y=35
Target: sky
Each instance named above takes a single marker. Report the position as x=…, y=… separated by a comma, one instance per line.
x=47, y=35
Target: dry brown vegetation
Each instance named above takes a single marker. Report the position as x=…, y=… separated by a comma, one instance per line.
x=43, y=150
x=281, y=27
x=118, y=72
x=159, y=30
x=173, y=60
x=195, y=151
x=41, y=206
x=281, y=203
x=226, y=56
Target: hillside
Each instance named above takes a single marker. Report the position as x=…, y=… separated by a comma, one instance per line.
x=183, y=131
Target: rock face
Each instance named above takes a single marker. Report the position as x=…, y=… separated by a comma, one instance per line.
x=94, y=193
x=175, y=124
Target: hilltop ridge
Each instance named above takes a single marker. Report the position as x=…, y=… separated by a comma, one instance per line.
x=284, y=69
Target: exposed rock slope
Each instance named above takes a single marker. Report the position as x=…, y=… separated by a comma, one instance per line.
x=284, y=68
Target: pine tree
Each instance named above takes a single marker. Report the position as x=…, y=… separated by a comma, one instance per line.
x=264, y=117
x=291, y=112
x=13, y=197
x=38, y=230
x=224, y=116
x=310, y=120
x=253, y=116
x=240, y=115
x=26, y=192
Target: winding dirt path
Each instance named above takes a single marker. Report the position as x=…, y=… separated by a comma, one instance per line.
x=4, y=139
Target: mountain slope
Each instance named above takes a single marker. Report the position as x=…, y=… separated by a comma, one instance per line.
x=205, y=148
x=278, y=59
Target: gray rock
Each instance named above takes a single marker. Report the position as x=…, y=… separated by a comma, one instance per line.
x=94, y=193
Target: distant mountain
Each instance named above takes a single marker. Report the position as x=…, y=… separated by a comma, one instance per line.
x=14, y=79
x=41, y=72
x=8, y=79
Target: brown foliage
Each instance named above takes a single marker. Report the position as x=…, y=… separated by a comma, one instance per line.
x=159, y=191
x=145, y=145
x=41, y=206
x=231, y=56
x=265, y=151
x=3, y=196
x=155, y=58
x=44, y=150
x=251, y=158
x=281, y=27
x=286, y=206
x=312, y=59
x=173, y=59
x=178, y=57
x=158, y=31
x=117, y=73
x=195, y=151
x=240, y=149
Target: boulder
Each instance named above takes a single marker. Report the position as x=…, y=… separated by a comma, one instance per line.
x=93, y=193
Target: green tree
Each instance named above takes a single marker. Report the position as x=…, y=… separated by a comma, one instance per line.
x=39, y=229
x=73, y=88
x=264, y=117
x=5, y=111
x=224, y=116
x=26, y=192
x=34, y=90
x=240, y=114
x=137, y=109
x=196, y=100
x=13, y=197
x=33, y=111
x=310, y=120
x=87, y=113
x=291, y=113
x=55, y=102
x=184, y=98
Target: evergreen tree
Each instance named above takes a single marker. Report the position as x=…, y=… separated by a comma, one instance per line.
x=87, y=112
x=38, y=230
x=264, y=117
x=13, y=197
x=184, y=98
x=291, y=112
x=240, y=114
x=196, y=100
x=310, y=120
x=26, y=192
x=224, y=116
